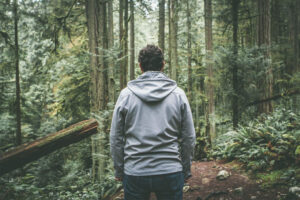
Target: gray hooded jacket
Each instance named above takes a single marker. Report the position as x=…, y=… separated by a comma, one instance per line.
x=152, y=130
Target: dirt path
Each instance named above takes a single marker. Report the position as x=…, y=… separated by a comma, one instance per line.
x=238, y=186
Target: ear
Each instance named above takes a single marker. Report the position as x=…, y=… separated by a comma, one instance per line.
x=141, y=68
x=163, y=65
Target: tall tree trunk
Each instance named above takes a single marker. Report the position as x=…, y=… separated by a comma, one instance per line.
x=264, y=40
x=209, y=66
x=121, y=43
x=161, y=25
x=18, y=99
x=97, y=32
x=173, y=45
x=189, y=49
x=132, y=52
x=111, y=71
x=125, y=43
x=295, y=46
x=169, y=38
x=235, y=102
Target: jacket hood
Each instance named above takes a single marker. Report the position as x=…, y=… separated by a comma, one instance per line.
x=152, y=86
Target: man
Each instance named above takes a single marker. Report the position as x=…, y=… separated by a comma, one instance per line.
x=152, y=135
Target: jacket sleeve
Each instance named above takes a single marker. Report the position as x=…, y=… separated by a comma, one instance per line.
x=117, y=139
x=188, y=137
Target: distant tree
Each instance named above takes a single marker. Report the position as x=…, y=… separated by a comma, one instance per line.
x=235, y=24
x=264, y=41
x=132, y=46
x=173, y=38
x=209, y=68
x=18, y=99
x=161, y=24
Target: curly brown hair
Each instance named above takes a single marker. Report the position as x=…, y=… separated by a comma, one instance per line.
x=151, y=58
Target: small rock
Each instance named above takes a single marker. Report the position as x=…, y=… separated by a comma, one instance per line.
x=214, y=166
x=205, y=180
x=222, y=175
x=195, y=188
x=238, y=190
x=186, y=188
x=295, y=191
x=253, y=197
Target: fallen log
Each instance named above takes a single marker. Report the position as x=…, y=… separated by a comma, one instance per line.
x=31, y=151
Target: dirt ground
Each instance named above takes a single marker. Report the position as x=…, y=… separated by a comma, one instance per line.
x=238, y=186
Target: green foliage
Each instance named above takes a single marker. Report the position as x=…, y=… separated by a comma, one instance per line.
x=266, y=143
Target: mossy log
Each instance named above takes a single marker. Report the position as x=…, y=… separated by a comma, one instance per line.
x=31, y=151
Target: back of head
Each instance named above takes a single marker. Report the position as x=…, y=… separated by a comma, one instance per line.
x=151, y=58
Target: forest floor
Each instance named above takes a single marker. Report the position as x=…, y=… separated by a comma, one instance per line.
x=204, y=185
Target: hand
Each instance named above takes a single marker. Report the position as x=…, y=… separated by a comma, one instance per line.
x=118, y=178
x=187, y=179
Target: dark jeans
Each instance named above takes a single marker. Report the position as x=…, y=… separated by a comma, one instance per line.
x=165, y=186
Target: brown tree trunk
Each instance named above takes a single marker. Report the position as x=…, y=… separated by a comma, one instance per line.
x=295, y=47
x=264, y=40
x=18, y=99
x=189, y=49
x=29, y=152
x=161, y=25
x=173, y=45
x=125, y=43
x=111, y=71
x=235, y=102
x=97, y=32
x=169, y=38
x=121, y=43
x=132, y=56
x=209, y=66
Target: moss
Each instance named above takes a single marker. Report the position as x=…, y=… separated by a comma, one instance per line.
x=271, y=178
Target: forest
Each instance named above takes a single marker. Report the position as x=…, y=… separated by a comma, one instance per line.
x=63, y=64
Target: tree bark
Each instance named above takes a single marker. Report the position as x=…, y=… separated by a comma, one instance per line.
x=18, y=99
x=111, y=64
x=235, y=102
x=264, y=41
x=121, y=43
x=169, y=38
x=189, y=49
x=125, y=43
x=132, y=52
x=29, y=152
x=161, y=25
x=209, y=67
x=173, y=45
x=98, y=44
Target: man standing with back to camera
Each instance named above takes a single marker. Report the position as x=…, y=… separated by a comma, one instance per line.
x=152, y=136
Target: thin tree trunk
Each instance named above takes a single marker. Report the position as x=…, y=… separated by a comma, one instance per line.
x=209, y=67
x=173, y=41
x=18, y=99
x=126, y=43
x=132, y=52
x=121, y=43
x=264, y=40
x=295, y=43
x=161, y=25
x=111, y=76
x=169, y=37
x=189, y=49
x=235, y=105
